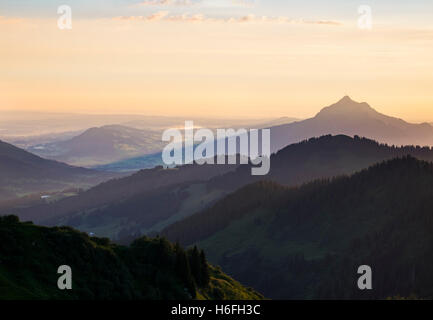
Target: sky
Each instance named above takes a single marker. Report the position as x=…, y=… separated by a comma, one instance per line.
x=216, y=58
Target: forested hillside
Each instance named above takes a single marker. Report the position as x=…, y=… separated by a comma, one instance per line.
x=119, y=190
x=151, y=200
x=308, y=241
x=323, y=157
x=148, y=269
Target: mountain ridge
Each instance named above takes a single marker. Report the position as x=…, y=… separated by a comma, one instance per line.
x=308, y=241
x=101, y=145
x=22, y=172
x=353, y=118
x=152, y=199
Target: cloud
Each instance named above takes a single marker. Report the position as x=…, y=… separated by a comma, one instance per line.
x=202, y=3
x=188, y=18
x=156, y=3
x=153, y=17
x=326, y=22
x=157, y=16
x=250, y=18
x=229, y=3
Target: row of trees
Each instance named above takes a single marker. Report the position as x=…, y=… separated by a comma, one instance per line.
x=192, y=267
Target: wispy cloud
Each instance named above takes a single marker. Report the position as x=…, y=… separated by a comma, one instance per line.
x=201, y=3
x=188, y=18
x=251, y=18
x=229, y=3
x=157, y=16
x=157, y=3
x=325, y=22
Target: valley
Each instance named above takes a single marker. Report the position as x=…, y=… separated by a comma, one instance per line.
x=329, y=203
x=155, y=154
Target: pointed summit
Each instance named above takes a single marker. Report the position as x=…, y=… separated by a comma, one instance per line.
x=351, y=118
x=345, y=99
x=347, y=107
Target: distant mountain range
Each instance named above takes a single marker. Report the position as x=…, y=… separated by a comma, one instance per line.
x=22, y=173
x=111, y=138
x=332, y=201
x=352, y=118
x=345, y=117
x=151, y=200
x=149, y=161
x=130, y=148
x=308, y=242
x=102, y=145
x=115, y=147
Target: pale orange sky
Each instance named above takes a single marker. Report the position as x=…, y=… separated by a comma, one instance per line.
x=213, y=68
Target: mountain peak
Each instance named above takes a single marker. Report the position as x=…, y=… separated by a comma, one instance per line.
x=347, y=107
x=348, y=101
x=345, y=99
